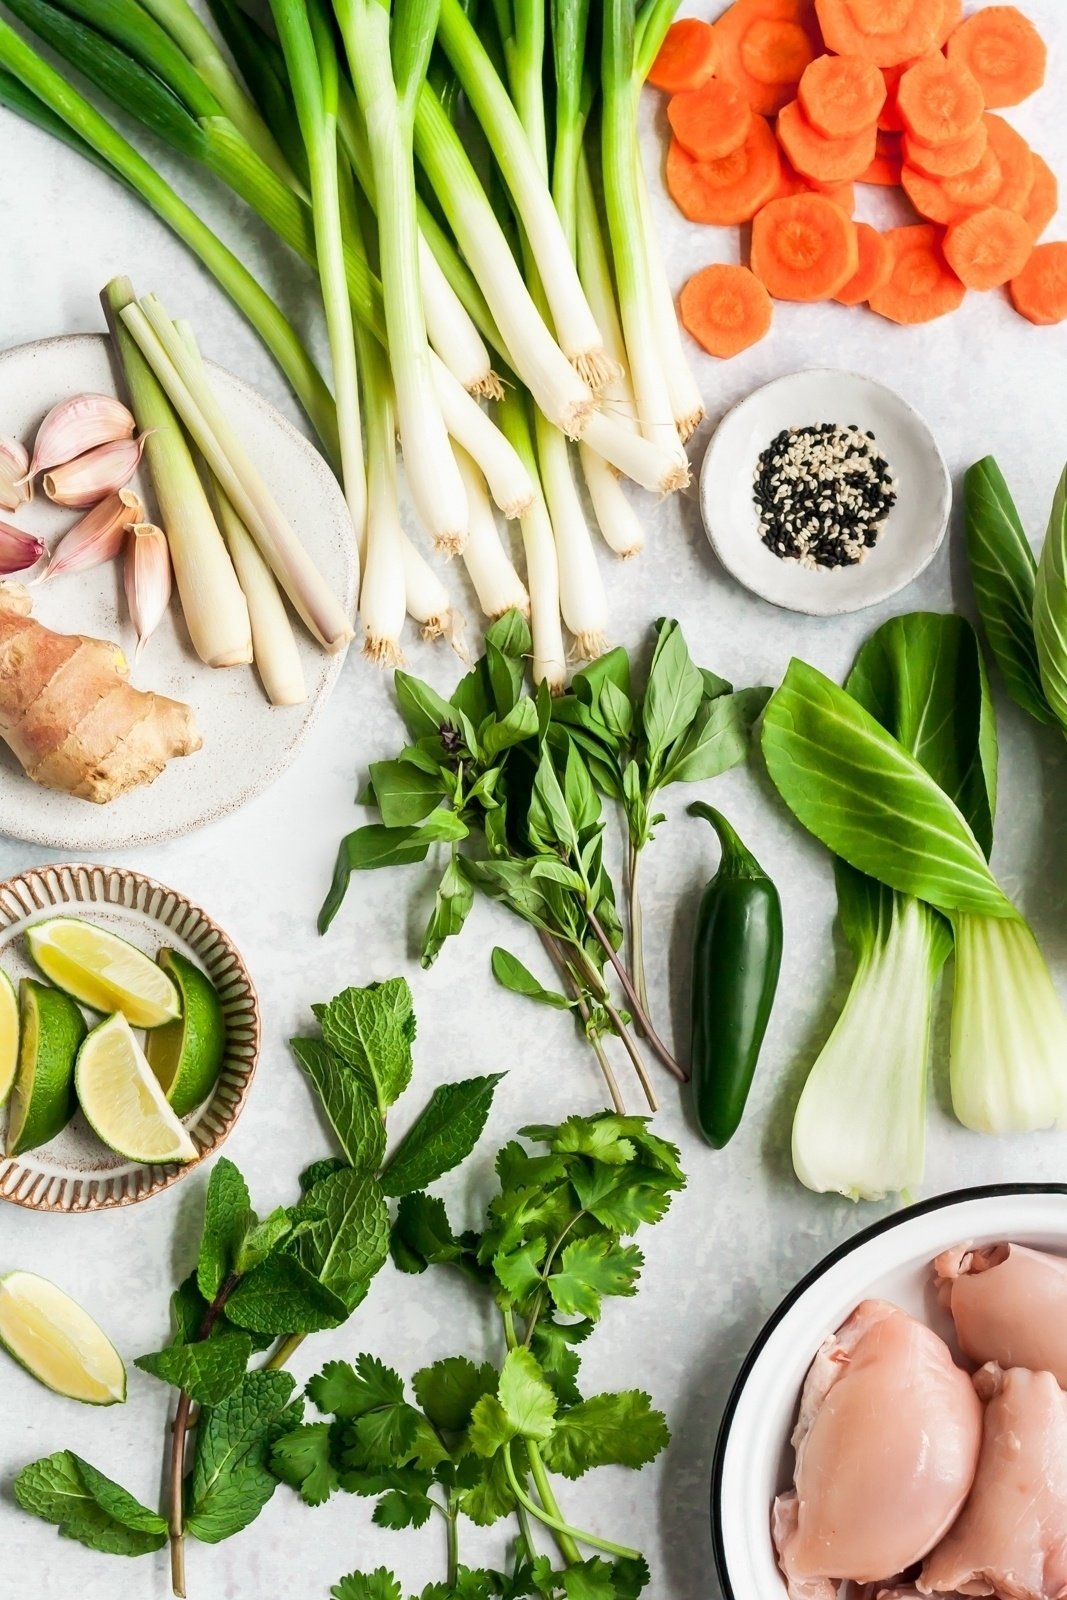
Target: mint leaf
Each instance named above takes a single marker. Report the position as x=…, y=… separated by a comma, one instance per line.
x=188, y=1308
x=449, y=1391
x=351, y=1109
x=422, y=1234
x=607, y=1430
x=262, y=1239
x=510, y=973
x=281, y=1296
x=304, y=1460
x=377, y=1585
x=442, y=1136
x=84, y=1505
x=373, y=1030
x=227, y=1217
x=209, y=1370
x=347, y=1240
x=324, y=1168
x=231, y=1479
x=590, y=1268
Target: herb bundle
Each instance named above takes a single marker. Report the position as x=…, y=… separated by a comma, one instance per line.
x=480, y=1440
x=267, y=1284
x=513, y=784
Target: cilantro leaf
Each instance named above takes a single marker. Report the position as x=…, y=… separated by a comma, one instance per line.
x=607, y=1430
x=231, y=1479
x=590, y=1580
x=348, y=1237
x=304, y=1460
x=373, y=1030
x=208, y=1370
x=622, y=1198
x=442, y=1136
x=553, y=1345
x=490, y=1496
x=282, y=1296
x=84, y=1505
x=524, y=1406
x=519, y=1271
x=377, y=1585
x=227, y=1218
x=591, y=1268
x=450, y=1389
x=351, y=1110
x=607, y=1137
x=397, y=1510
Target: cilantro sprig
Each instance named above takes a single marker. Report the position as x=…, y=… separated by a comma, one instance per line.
x=480, y=1439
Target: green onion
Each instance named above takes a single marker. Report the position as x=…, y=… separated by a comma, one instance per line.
x=383, y=598
x=542, y=571
x=496, y=583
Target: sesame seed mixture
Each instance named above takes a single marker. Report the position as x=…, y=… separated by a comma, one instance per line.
x=823, y=493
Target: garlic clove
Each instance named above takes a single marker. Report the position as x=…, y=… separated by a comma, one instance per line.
x=18, y=550
x=89, y=478
x=98, y=537
x=74, y=426
x=15, y=488
x=147, y=579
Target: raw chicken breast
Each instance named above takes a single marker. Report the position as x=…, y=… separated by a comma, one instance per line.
x=1009, y=1305
x=886, y=1444
x=1011, y=1540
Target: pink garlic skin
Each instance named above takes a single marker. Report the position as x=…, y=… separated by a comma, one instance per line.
x=18, y=550
x=1009, y=1305
x=76, y=425
x=98, y=537
x=90, y=478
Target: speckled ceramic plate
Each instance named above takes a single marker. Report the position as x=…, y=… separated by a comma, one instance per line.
x=913, y=531
x=75, y=1172
x=247, y=742
x=890, y=1261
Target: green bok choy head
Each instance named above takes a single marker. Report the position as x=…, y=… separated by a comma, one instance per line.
x=878, y=802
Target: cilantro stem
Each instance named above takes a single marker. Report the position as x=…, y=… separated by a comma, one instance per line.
x=656, y=1044
x=567, y=1537
x=453, y=1541
x=179, y=1433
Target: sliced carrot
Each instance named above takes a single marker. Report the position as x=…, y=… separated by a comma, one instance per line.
x=829, y=160
x=886, y=32
x=841, y=95
x=769, y=49
x=884, y=170
x=988, y=247
x=1016, y=164
x=1044, y=199
x=711, y=121
x=889, y=118
x=730, y=190
x=804, y=248
x=842, y=194
x=726, y=309
x=977, y=187
x=686, y=57
x=875, y=265
x=790, y=181
x=940, y=101
x=947, y=160
x=921, y=285
x=951, y=17
x=1039, y=293
x=775, y=50
x=1004, y=51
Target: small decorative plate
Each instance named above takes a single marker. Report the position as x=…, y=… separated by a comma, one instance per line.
x=75, y=1172
x=889, y=1261
x=912, y=533
x=247, y=742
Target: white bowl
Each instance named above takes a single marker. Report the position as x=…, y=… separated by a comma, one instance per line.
x=913, y=531
x=889, y=1261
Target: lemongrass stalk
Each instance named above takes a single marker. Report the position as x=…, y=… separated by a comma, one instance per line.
x=195, y=402
x=250, y=298
x=313, y=76
x=426, y=597
x=213, y=605
x=496, y=583
x=383, y=598
x=388, y=107
x=687, y=403
x=622, y=195
x=616, y=398
x=471, y=428
x=615, y=516
x=542, y=570
x=527, y=184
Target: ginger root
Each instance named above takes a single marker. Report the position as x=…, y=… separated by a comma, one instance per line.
x=70, y=717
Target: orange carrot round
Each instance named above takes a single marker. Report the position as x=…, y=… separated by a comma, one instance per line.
x=884, y=170
x=829, y=160
x=886, y=32
x=1016, y=164
x=730, y=190
x=1039, y=293
x=710, y=121
x=1004, y=51
x=947, y=160
x=726, y=309
x=921, y=285
x=988, y=247
x=776, y=50
x=771, y=52
x=686, y=57
x=1044, y=199
x=951, y=16
x=940, y=101
x=874, y=268
x=841, y=95
x=804, y=248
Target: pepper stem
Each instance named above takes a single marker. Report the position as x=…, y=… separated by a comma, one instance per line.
x=737, y=860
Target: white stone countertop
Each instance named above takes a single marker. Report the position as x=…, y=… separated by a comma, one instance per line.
x=744, y=1231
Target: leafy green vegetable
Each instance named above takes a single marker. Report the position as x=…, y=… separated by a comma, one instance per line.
x=373, y=1030
x=281, y=1296
x=1050, y=607
x=84, y=1505
x=208, y=1371
x=444, y=1135
x=231, y=1482
x=227, y=1216
x=353, y=1114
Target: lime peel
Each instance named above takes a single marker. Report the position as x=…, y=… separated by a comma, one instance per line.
x=122, y=1101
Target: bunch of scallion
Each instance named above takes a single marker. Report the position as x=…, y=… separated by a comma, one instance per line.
x=469, y=187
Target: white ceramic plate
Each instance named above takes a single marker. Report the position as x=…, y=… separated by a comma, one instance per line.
x=74, y=1171
x=914, y=529
x=890, y=1261
x=247, y=742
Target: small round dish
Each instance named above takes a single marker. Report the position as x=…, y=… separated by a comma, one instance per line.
x=891, y=1261
x=912, y=534
x=75, y=1172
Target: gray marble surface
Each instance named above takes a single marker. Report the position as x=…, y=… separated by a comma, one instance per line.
x=744, y=1231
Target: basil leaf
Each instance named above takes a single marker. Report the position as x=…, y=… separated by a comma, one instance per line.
x=403, y=793
x=549, y=821
x=452, y=907
x=442, y=1136
x=424, y=711
x=1003, y=571
x=1050, y=607
x=378, y=846
x=518, y=725
x=674, y=691
x=718, y=738
x=612, y=667
x=505, y=673
x=510, y=973
x=510, y=634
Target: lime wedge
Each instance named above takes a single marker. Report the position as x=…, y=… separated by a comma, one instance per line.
x=42, y=1101
x=102, y=970
x=57, y=1342
x=186, y=1055
x=122, y=1100
x=9, y=1035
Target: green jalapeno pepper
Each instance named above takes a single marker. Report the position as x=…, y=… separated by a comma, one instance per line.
x=736, y=960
